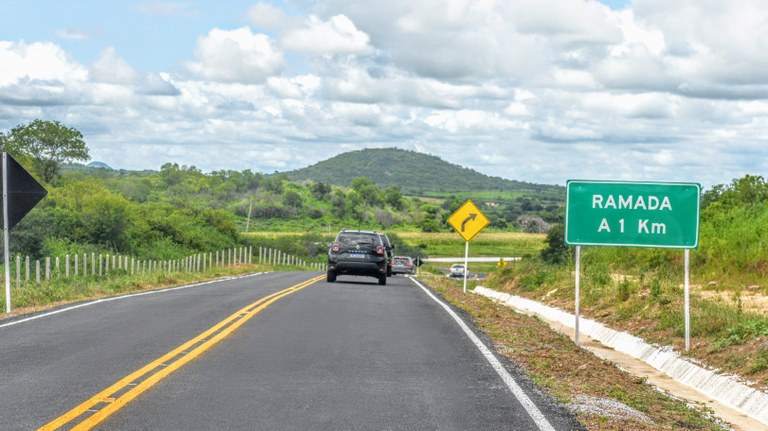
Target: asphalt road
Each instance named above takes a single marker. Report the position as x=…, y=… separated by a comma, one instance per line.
x=344, y=355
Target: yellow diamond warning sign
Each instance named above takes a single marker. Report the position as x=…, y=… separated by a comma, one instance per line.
x=468, y=220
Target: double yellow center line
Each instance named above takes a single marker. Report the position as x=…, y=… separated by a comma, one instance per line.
x=99, y=407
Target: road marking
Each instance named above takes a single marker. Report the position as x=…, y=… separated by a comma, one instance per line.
x=131, y=295
x=155, y=372
x=533, y=411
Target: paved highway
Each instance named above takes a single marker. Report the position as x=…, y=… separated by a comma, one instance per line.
x=268, y=351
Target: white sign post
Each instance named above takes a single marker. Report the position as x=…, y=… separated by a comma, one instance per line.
x=6, y=236
x=578, y=272
x=466, y=265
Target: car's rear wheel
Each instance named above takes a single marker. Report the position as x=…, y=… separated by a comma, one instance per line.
x=331, y=276
x=383, y=280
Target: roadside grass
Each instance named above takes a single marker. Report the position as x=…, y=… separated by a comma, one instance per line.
x=651, y=305
x=60, y=291
x=554, y=362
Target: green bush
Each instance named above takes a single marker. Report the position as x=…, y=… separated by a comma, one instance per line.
x=556, y=252
x=623, y=291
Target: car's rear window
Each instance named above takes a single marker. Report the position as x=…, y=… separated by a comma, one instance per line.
x=348, y=239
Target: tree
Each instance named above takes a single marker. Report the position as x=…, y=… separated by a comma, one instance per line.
x=393, y=196
x=556, y=251
x=49, y=143
x=321, y=191
x=292, y=199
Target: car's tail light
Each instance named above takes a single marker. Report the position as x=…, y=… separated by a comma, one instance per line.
x=335, y=247
x=407, y=263
x=379, y=249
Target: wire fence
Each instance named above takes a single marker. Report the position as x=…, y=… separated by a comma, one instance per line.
x=26, y=272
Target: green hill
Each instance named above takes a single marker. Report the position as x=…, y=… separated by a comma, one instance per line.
x=415, y=173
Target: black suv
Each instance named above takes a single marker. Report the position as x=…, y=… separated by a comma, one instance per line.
x=358, y=252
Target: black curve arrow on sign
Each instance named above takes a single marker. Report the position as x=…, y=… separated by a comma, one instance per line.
x=464, y=223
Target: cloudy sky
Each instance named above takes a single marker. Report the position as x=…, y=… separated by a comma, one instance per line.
x=538, y=90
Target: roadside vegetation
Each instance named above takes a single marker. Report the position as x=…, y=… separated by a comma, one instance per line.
x=574, y=376
x=59, y=291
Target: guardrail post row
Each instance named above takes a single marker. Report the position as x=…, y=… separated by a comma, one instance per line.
x=37, y=271
x=77, y=265
x=66, y=266
x=47, y=268
x=57, y=269
x=26, y=261
x=18, y=270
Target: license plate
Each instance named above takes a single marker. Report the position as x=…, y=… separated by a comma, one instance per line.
x=357, y=256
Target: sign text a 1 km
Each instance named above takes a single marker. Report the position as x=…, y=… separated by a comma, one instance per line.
x=632, y=214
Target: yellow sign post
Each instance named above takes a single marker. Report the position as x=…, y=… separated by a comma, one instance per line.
x=468, y=221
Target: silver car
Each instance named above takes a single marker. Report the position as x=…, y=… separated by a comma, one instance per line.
x=402, y=265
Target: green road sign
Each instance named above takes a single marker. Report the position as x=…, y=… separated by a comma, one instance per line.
x=632, y=214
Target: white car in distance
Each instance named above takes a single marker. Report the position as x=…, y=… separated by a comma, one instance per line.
x=457, y=270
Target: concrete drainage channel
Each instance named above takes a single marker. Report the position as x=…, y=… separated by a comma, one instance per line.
x=729, y=397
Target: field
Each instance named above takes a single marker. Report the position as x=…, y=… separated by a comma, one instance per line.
x=450, y=244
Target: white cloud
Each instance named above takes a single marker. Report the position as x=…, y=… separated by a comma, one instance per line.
x=338, y=35
x=71, y=34
x=112, y=69
x=266, y=16
x=236, y=56
x=43, y=61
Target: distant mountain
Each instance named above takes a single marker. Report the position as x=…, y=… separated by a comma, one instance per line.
x=414, y=172
x=100, y=165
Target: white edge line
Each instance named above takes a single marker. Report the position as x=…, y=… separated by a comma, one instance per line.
x=115, y=298
x=517, y=391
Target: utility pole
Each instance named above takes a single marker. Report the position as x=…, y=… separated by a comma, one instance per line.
x=248, y=221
